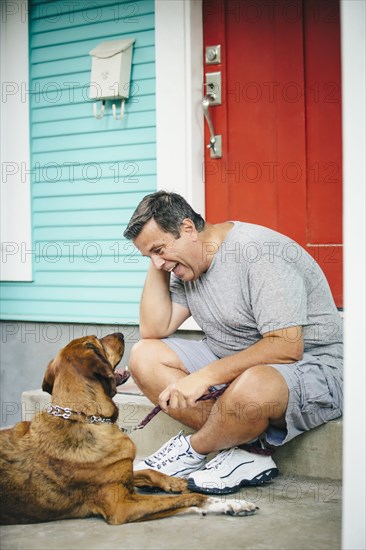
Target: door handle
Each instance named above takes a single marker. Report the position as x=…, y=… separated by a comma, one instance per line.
x=215, y=144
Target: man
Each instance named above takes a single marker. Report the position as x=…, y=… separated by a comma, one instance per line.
x=273, y=338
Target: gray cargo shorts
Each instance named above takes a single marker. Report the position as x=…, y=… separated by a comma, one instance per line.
x=315, y=390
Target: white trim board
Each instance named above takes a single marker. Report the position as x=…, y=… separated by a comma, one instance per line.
x=353, y=30
x=179, y=114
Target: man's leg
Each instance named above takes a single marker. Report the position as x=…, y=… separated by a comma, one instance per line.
x=256, y=398
x=154, y=366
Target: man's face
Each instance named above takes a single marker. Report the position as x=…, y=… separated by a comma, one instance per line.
x=180, y=256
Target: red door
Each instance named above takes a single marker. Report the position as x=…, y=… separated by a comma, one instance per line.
x=280, y=122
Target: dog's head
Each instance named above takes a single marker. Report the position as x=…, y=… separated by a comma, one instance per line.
x=92, y=358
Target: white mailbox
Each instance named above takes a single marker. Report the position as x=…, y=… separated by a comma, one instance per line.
x=111, y=72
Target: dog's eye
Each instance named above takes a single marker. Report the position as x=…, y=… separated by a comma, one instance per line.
x=97, y=352
x=89, y=345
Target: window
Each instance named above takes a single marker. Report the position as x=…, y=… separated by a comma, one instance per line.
x=16, y=263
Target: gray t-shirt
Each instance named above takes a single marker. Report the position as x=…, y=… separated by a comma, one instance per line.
x=258, y=281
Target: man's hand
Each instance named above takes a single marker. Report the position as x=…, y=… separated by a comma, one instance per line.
x=185, y=392
x=159, y=316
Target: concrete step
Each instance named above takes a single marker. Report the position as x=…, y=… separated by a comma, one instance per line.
x=315, y=454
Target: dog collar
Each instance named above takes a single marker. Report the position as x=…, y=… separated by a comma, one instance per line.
x=66, y=412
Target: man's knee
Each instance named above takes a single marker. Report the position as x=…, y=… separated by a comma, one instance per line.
x=140, y=356
x=151, y=352
x=262, y=387
x=262, y=379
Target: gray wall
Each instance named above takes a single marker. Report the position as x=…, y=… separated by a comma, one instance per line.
x=26, y=349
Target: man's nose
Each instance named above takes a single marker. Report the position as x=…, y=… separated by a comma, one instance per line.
x=158, y=262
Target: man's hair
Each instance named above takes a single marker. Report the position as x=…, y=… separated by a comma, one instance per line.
x=167, y=209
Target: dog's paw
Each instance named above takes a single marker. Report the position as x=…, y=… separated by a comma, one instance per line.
x=229, y=507
x=176, y=485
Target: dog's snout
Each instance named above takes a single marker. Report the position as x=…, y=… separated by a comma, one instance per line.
x=117, y=335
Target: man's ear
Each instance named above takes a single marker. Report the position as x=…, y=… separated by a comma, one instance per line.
x=49, y=378
x=189, y=227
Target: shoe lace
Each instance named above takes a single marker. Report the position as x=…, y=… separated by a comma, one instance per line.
x=216, y=462
x=168, y=453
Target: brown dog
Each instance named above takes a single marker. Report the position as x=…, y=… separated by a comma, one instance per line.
x=72, y=461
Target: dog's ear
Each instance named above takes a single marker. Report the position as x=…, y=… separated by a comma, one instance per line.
x=49, y=378
x=102, y=370
x=106, y=377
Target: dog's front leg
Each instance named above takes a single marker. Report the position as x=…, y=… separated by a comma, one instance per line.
x=151, y=478
x=145, y=507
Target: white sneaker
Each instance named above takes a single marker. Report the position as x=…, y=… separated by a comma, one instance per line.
x=175, y=458
x=232, y=469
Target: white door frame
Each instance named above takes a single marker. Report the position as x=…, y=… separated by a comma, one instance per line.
x=179, y=125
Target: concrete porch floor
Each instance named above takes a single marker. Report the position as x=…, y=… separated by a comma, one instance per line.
x=294, y=513
x=300, y=509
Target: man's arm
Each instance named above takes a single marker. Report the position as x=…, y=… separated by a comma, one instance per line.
x=277, y=347
x=159, y=316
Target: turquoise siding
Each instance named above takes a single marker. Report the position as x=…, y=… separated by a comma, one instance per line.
x=88, y=175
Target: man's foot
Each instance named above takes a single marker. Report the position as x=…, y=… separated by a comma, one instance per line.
x=232, y=469
x=175, y=458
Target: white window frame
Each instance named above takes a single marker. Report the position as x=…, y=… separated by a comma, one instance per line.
x=16, y=259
